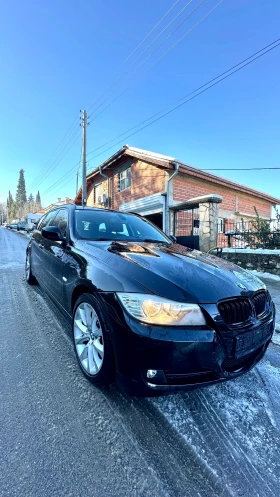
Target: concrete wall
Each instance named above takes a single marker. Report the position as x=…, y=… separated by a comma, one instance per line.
x=260, y=260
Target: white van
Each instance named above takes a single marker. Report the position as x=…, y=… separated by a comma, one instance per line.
x=30, y=220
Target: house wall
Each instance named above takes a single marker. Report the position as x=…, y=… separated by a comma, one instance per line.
x=145, y=180
x=148, y=180
x=185, y=187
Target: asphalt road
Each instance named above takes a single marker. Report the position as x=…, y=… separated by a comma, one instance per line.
x=62, y=436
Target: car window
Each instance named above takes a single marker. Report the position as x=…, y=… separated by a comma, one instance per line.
x=109, y=225
x=47, y=220
x=61, y=221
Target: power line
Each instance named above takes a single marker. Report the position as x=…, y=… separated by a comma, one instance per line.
x=241, y=169
x=202, y=89
x=135, y=49
x=160, y=58
x=54, y=161
x=62, y=178
x=45, y=167
x=208, y=86
x=145, y=50
x=65, y=183
x=150, y=55
x=183, y=98
x=59, y=159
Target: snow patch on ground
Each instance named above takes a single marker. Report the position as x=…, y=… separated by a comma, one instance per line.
x=263, y=274
x=11, y=265
x=276, y=337
x=252, y=251
x=232, y=426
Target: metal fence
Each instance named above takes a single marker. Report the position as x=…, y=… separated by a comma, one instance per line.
x=247, y=235
x=186, y=222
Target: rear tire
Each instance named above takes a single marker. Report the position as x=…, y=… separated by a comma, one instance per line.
x=92, y=341
x=31, y=280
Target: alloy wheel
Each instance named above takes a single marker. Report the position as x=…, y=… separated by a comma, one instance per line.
x=88, y=338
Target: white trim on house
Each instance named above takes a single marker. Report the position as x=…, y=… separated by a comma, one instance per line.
x=151, y=155
x=145, y=206
x=152, y=204
x=252, y=216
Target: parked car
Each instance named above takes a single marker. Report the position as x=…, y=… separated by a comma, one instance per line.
x=13, y=226
x=21, y=225
x=154, y=314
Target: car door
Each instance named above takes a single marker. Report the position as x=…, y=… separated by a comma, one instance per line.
x=53, y=256
x=37, y=248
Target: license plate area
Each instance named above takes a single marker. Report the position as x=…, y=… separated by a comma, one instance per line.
x=251, y=340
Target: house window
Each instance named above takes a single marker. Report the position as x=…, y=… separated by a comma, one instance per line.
x=220, y=225
x=125, y=179
x=98, y=190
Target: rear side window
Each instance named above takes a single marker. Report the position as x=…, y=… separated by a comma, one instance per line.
x=47, y=220
x=61, y=221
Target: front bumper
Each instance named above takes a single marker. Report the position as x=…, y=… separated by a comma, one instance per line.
x=183, y=358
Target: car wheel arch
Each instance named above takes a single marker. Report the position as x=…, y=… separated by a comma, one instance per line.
x=80, y=290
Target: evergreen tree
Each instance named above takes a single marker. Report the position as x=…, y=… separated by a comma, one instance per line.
x=21, y=190
x=30, y=198
x=38, y=200
x=10, y=200
x=11, y=207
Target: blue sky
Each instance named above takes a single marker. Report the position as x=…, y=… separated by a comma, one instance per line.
x=57, y=57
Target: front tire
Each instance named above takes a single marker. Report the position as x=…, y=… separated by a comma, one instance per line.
x=92, y=340
x=31, y=280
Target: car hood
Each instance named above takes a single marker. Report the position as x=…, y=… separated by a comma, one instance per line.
x=175, y=272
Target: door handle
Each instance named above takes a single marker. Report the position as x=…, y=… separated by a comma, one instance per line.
x=41, y=245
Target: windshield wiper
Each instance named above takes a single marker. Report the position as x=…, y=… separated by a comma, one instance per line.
x=151, y=240
x=100, y=239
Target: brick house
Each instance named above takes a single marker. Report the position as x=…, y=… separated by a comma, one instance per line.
x=59, y=202
x=169, y=192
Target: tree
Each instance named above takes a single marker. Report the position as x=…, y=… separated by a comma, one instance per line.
x=38, y=200
x=21, y=190
x=31, y=205
x=260, y=234
x=10, y=200
x=11, y=207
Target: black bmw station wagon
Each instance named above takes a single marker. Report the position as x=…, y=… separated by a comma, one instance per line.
x=152, y=314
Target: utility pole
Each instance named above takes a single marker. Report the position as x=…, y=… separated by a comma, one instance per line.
x=77, y=182
x=84, y=156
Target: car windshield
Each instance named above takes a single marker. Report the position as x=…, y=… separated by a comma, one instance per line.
x=105, y=225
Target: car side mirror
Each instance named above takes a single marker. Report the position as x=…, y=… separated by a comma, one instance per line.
x=52, y=233
x=173, y=238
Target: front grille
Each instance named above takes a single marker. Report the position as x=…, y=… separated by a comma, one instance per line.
x=239, y=311
x=235, y=311
x=259, y=301
x=233, y=364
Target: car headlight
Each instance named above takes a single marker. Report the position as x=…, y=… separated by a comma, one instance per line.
x=156, y=310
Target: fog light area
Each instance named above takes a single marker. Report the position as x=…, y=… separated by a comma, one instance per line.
x=151, y=373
